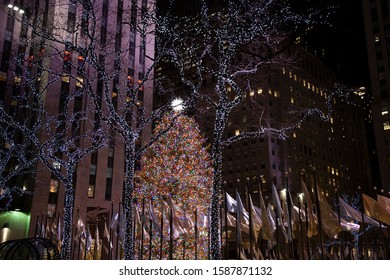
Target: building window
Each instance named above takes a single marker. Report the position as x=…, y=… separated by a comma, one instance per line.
x=91, y=191
x=53, y=185
x=384, y=111
x=386, y=125
x=51, y=209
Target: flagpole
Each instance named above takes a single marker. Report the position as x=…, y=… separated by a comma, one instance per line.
x=162, y=227
x=288, y=197
x=249, y=207
x=276, y=221
x=238, y=225
x=300, y=228
x=365, y=250
x=141, y=249
x=307, y=227
x=196, y=234
x=36, y=226
x=226, y=224
x=150, y=229
x=86, y=243
x=318, y=212
x=260, y=186
x=150, y=239
x=75, y=231
x=118, y=230
x=111, y=235
x=341, y=233
x=171, y=235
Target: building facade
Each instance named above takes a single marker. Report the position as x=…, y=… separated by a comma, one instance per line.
x=333, y=151
x=377, y=30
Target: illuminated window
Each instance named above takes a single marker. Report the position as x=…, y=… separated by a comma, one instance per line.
x=276, y=93
x=384, y=111
x=252, y=93
x=292, y=100
x=294, y=134
x=283, y=70
x=237, y=132
x=290, y=74
x=53, y=185
x=260, y=91
x=331, y=120
x=386, y=125
x=79, y=82
x=270, y=91
x=91, y=191
x=65, y=78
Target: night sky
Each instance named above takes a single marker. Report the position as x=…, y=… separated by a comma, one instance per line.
x=345, y=44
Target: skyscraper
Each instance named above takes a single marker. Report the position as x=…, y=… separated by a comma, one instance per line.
x=377, y=30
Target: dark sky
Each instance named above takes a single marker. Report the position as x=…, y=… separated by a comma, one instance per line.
x=346, y=43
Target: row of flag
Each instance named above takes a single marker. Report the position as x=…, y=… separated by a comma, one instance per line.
x=162, y=229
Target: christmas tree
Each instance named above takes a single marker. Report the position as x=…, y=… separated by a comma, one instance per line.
x=176, y=170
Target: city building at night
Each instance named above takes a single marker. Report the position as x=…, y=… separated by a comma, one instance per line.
x=377, y=31
x=100, y=175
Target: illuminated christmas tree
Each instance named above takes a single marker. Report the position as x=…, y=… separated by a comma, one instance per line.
x=177, y=169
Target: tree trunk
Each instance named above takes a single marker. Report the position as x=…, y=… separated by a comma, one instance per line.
x=128, y=245
x=68, y=221
x=215, y=223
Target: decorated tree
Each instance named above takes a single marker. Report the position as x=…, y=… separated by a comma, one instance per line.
x=177, y=169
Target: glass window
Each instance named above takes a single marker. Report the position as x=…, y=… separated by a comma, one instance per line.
x=91, y=191
x=384, y=110
x=386, y=125
x=53, y=185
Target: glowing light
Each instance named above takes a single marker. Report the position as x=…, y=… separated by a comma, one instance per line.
x=177, y=104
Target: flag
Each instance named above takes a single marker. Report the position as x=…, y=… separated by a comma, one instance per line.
x=114, y=221
x=182, y=218
x=312, y=220
x=231, y=205
x=121, y=223
x=59, y=231
x=203, y=219
x=240, y=210
x=107, y=235
x=88, y=241
x=349, y=226
x=231, y=222
x=348, y=211
x=330, y=221
x=177, y=229
x=80, y=227
x=153, y=217
x=384, y=209
x=256, y=220
x=279, y=211
x=267, y=232
x=371, y=207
